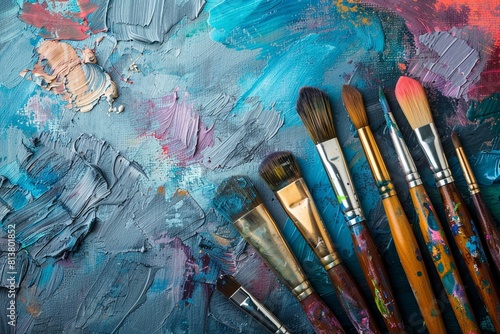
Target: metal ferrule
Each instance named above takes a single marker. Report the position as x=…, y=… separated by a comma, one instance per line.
x=405, y=159
x=261, y=232
x=334, y=163
x=428, y=139
x=299, y=204
x=376, y=162
x=258, y=311
x=467, y=170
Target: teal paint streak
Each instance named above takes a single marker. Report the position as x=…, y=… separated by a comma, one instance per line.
x=487, y=109
x=449, y=282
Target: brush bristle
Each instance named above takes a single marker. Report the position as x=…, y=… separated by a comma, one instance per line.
x=455, y=140
x=279, y=169
x=315, y=112
x=353, y=103
x=228, y=285
x=235, y=196
x=413, y=101
x=383, y=101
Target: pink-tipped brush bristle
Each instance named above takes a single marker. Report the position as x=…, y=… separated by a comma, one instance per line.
x=413, y=101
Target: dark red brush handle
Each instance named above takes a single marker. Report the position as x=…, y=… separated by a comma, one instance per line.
x=490, y=232
x=321, y=317
x=378, y=281
x=352, y=300
x=470, y=247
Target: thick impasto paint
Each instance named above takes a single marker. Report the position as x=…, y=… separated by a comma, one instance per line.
x=114, y=227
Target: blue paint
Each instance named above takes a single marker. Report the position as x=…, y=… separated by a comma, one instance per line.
x=291, y=42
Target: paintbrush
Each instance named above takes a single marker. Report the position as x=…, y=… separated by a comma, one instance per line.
x=314, y=110
x=413, y=101
x=233, y=290
x=490, y=232
x=238, y=201
x=402, y=233
x=281, y=172
x=432, y=231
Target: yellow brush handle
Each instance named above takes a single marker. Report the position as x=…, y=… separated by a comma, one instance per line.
x=413, y=265
x=437, y=244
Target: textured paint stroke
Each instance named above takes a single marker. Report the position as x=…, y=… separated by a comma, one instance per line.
x=81, y=82
x=56, y=222
x=487, y=109
x=59, y=19
x=291, y=37
x=101, y=249
x=148, y=21
x=13, y=38
x=449, y=63
x=239, y=146
x=178, y=127
x=429, y=20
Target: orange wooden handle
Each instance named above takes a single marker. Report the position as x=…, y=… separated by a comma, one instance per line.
x=437, y=244
x=490, y=232
x=413, y=265
x=376, y=276
x=469, y=244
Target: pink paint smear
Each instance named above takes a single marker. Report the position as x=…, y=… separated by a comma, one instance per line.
x=59, y=22
x=178, y=128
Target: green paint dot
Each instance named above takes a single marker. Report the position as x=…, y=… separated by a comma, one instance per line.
x=440, y=267
x=419, y=273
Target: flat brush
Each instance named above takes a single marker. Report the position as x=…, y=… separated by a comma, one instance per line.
x=314, y=110
x=431, y=228
x=233, y=290
x=413, y=101
x=238, y=201
x=490, y=232
x=281, y=172
x=404, y=239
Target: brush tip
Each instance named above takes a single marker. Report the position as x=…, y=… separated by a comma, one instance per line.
x=383, y=101
x=279, y=169
x=228, y=285
x=235, y=196
x=313, y=108
x=354, y=105
x=455, y=140
x=413, y=101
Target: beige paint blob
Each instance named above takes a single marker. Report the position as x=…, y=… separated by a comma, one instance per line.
x=77, y=79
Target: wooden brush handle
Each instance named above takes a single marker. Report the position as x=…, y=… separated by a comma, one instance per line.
x=321, y=317
x=352, y=300
x=490, y=232
x=469, y=244
x=437, y=244
x=413, y=265
x=374, y=270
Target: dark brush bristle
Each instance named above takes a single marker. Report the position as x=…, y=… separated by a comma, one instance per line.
x=455, y=140
x=279, y=169
x=235, y=196
x=314, y=110
x=228, y=285
x=353, y=103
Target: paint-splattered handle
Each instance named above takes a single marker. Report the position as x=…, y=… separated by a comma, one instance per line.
x=488, y=228
x=469, y=244
x=437, y=243
x=352, y=300
x=413, y=265
x=376, y=276
x=321, y=317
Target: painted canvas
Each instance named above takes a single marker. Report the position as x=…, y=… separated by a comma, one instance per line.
x=119, y=119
